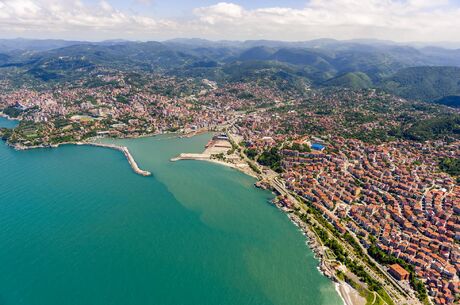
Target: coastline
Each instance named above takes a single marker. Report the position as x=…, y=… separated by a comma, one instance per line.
x=261, y=198
x=246, y=171
x=204, y=157
x=132, y=162
x=8, y=117
x=348, y=294
x=219, y=150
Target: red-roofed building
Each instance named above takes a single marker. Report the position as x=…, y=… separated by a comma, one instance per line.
x=399, y=272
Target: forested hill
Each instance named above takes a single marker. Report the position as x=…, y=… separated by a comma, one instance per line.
x=438, y=84
x=430, y=74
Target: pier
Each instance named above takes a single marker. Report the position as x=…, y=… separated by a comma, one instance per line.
x=189, y=156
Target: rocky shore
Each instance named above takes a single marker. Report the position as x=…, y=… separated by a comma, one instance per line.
x=349, y=295
x=312, y=241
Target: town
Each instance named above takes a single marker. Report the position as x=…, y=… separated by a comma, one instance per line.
x=368, y=163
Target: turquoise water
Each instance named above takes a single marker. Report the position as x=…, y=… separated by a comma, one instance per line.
x=79, y=227
x=4, y=122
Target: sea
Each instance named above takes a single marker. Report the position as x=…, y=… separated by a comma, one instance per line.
x=78, y=226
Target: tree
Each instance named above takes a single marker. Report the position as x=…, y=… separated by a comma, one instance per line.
x=450, y=166
x=272, y=159
x=251, y=153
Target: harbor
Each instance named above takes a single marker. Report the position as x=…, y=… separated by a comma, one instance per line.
x=219, y=150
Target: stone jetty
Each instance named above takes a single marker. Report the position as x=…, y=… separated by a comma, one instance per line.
x=127, y=154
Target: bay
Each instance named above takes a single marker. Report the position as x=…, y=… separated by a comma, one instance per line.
x=78, y=226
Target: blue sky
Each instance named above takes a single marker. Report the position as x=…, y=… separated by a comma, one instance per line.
x=397, y=20
x=175, y=8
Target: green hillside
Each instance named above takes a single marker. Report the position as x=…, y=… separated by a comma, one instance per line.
x=353, y=80
x=425, y=83
x=405, y=71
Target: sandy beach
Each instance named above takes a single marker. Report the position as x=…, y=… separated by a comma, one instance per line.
x=244, y=168
x=221, y=147
x=349, y=295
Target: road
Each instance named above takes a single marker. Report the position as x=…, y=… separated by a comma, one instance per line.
x=393, y=289
x=397, y=293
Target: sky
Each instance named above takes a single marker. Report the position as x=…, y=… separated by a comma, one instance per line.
x=289, y=20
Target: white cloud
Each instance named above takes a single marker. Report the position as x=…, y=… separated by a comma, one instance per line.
x=48, y=17
x=221, y=12
x=343, y=19
x=402, y=20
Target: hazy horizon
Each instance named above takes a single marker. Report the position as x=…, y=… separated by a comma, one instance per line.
x=440, y=44
x=402, y=21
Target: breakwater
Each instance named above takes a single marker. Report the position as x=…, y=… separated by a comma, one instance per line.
x=123, y=149
x=127, y=154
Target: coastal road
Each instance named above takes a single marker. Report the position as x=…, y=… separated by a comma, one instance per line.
x=391, y=287
x=397, y=293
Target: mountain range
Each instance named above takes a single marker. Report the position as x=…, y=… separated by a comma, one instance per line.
x=427, y=73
